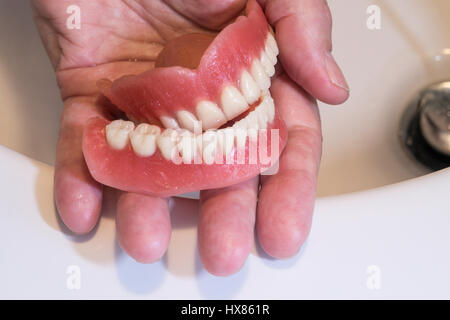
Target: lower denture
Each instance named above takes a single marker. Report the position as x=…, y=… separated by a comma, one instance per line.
x=208, y=115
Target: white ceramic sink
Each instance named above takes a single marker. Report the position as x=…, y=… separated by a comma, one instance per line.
x=401, y=228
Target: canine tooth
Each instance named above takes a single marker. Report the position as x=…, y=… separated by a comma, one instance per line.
x=260, y=76
x=186, y=145
x=210, y=114
x=225, y=139
x=240, y=132
x=272, y=43
x=167, y=143
x=169, y=122
x=188, y=121
x=272, y=56
x=143, y=139
x=209, y=146
x=267, y=64
x=232, y=101
x=249, y=88
x=117, y=133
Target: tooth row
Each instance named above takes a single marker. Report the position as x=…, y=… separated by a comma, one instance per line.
x=146, y=138
x=233, y=100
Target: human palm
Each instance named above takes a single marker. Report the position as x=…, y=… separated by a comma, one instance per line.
x=122, y=37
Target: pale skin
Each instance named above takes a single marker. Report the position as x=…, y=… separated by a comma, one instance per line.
x=119, y=37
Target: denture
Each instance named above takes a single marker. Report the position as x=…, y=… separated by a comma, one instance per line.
x=208, y=125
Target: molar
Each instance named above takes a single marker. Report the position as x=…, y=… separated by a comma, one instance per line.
x=249, y=87
x=210, y=114
x=143, y=139
x=167, y=143
x=117, y=133
x=260, y=76
x=232, y=102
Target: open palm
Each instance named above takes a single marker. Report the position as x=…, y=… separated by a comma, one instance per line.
x=120, y=37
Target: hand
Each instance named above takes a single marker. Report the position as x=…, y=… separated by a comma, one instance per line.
x=123, y=37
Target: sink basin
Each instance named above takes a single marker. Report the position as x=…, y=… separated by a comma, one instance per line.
x=367, y=186
x=361, y=150
x=384, y=68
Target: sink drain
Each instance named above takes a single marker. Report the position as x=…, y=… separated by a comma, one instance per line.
x=425, y=126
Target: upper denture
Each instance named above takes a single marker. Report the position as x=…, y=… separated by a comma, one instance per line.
x=232, y=74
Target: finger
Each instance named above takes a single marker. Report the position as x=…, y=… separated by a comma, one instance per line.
x=143, y=226
x=212, y=14
x=226, y=226
x=303, y=33
x=286, y=200
x=78, y=196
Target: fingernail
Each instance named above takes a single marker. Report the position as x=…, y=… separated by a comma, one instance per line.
x=334, y=72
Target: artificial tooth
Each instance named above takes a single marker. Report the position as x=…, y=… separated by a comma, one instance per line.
x=269, y=52
x=240, y=132
x=169, y=122
x=272, y=43
x=232, y=101
x=260, y=76
x=252, y=125
x=186, y=145
x=262, y=115
x=167, y=143
x=225, y=139
x=117, y=133
x=270, y=108
x=249, y=87
x=188, y=121
x=209, y=146
x=143, y=139
x=267, y=64
x=210, y=115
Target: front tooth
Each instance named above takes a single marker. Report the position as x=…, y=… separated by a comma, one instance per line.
x=169, y=122
x=262, y=115
x=272, y=43
x=186, y=146
x=260, y=76
x=252, y=125
x=209, y=146
x=272, y=56
x=225, y=138
x=270, y=108
x=143, y=139
x=188, y=121
x=210, y=115
x=117, y=133
x=167, y=143
x=240, y=132
x=249, y=87
x=232, y=101
x=267, y=64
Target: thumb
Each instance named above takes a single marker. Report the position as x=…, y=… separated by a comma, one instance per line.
x=303, y=33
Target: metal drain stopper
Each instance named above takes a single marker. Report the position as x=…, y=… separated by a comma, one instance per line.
x=434, y=108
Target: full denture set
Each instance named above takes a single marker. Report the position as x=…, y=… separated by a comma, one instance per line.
x=194, y=115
